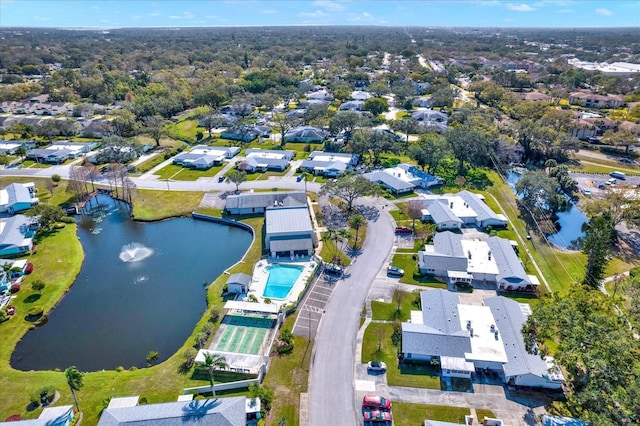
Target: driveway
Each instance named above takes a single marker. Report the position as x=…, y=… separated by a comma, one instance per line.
x=331, y=382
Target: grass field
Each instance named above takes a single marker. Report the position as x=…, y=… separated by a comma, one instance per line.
x=412, y=274
x=407, y=414
x=389, y=311
x=176, y=172
x=155, y=205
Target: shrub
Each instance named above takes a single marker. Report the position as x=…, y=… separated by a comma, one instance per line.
x=285, y=349
x=119, y=369
x=67, y=219
x=36, y=311
x=207, y=328
x=3, y=316
x=143, y=401
x=133, y=368
x=14, y=288
x=47, y=393
x=215, y=314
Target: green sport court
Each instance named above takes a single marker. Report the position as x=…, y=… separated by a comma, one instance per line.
x=243, y=334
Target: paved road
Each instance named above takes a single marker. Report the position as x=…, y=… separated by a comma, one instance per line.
x=202, y=184
x=331, y=395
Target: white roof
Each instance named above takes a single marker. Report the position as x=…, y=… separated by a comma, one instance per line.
x=268, y=154
x=251, y=306
x=124, y=401
x=456, y=363
x=480, y=254
x=484, y=344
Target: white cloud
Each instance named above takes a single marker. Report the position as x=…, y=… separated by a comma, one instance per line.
x=175, y=17
x=566, y=11
x=269, y=12
x=522, y=7
x=317, y=14
x=604, y=12
x=154, y=14
x=367, y=15
x=332, y=6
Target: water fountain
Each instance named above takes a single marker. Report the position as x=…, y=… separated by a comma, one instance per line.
x=135, y=252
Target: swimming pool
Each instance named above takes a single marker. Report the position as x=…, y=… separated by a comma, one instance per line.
x=280, y=281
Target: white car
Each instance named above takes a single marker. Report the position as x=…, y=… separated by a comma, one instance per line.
x=376, y=366
x=586, y=192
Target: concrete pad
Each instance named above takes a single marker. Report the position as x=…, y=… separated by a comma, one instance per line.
x=365, y=385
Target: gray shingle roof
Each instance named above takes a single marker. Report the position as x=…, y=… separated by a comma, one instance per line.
x=306, y=132
x=288, y=220
x=389, y=181
x=13, y=232
x=509, y=321
x=262, y=200
x=239, y=278
x=440, y=212
x=17, y=193
x=218, y=412
x=483, y=211
x=507, y=260
x=441, y=333
x=255, y=162
x=448, y=243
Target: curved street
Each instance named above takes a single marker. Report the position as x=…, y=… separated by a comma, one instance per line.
x=331, y=382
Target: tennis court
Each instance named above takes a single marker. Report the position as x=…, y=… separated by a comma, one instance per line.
x=243, y=334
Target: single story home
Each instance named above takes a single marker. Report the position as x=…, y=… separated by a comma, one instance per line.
x=289, y=231
x=11, y=147
x=306, y=134
x=359, y=95
x=49, y=156
x=61, y=415
x=241, y=133
x=17, y=197
x=535, y=96
x=204, y=157
x=490, y=261
x=320, y=95
x=75, y=148
x=218, y=411
x=422, y=102
x=329, y=164
x=257, y=202
x=351, y=106
x=465, y=339
x=430, y=118
x=463, y=209
x=16, y=234
x=238, y=283
x=403, y=178
x=261, y=160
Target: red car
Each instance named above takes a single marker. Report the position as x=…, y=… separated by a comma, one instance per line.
x=404, y=230
x=377, y=416
x=376, y=402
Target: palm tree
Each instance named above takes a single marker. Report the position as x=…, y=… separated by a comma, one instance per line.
x=74, y=380
x=305, y=177
x=356, y=222
x=212, y=363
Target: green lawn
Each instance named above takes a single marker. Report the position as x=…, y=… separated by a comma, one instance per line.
x=26, y=164
x=176, y=172
x=481, y=413
x=288, y=377
x=389, y=312
x=185, y=130
x=408, y=414
x=329, y=250
x=406, y=375
x=597, y=165
x=411, y=273
x=155, y=205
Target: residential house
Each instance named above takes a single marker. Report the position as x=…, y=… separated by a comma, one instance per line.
x=592, y=100
x=463, y=209
x=306, y=104
x=403, y=178
x=6, y=121
x=11, y=147
x=218, y=411
x=241, y=133
x=491, y=261
x=4, y=280
x=49, y=156
x=535, y=96
x=261, y=160
x=465, y=339
x=289, y=231
x=17, y=197
x=422, y=102
x=431, y=119
x=330, y=164
x=257, y=202
x=16, y=235
x=306, y=134
x=351, y=106
x=76, y=149
x=204, y=157
x=238, y=283
x=359, y=95
x=320, y=95
x=61, y=415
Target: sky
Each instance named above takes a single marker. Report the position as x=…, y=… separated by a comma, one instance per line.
x=204, y=13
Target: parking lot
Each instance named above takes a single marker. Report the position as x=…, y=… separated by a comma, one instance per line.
x=311, y=310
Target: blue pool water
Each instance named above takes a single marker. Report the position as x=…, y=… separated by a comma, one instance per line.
x=280, y=280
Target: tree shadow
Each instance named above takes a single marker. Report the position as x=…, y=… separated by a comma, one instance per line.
x=32, y=298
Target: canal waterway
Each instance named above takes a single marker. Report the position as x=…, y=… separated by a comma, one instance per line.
x=141, y=289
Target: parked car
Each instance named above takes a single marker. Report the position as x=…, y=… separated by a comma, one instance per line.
x=602, y=185
x=404, y=230
x=586, y=192
x=375, y=402
x=221, y=179
x=394, y=271
x=377, y=416
x=626, y=160
x=333, y=269
x=377, y=366
x=299, y=178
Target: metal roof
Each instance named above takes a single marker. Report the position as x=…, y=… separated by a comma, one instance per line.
x=262, y=200
x=292, y=244
x=288, y=220
x=218, y=411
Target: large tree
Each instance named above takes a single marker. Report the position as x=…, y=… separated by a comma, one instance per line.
x=237, y=177
x=623, y=137
x=349, y=188
x=470, y=146
x=376, y=106
x=596, y=245
x=75, y=382
x=429, y=151
x=374, y=142
x=154, y=126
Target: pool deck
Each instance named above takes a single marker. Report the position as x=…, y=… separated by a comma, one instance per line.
x=261, y=274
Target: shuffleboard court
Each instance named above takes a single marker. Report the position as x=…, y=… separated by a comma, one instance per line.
x=243, y=334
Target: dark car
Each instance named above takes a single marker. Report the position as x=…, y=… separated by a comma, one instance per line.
x=404, y=230
x=221, y=179
x=377, y=416
x=394, y=271
x=332, y=269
